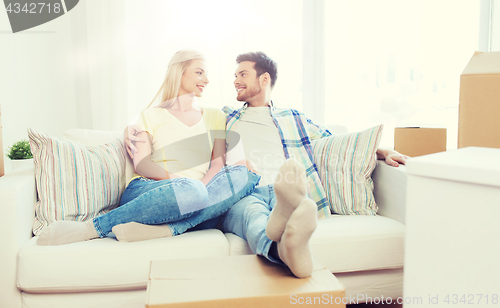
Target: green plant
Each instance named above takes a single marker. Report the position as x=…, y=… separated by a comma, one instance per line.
x=19, y=150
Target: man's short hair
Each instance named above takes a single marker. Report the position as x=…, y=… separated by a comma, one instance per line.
x=263, y=64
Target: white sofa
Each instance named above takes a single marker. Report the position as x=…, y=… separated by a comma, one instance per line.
x=364, y=252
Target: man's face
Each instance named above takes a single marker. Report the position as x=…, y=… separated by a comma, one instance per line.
x=246, y=81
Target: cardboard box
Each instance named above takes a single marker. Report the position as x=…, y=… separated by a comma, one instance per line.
x=239, y=281
x=479, y=109
x=418, y=141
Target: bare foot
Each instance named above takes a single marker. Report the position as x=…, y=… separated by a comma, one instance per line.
x=133, y=232
x=290, y=188
x=293, y=249
x=65, y=232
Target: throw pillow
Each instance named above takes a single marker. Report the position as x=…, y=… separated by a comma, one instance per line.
x=75, y=182
x=345, y=163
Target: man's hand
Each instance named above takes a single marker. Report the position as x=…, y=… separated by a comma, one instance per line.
x=392, y=157
x=130, y=135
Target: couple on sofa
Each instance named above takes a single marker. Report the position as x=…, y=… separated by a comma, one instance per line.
x=183, y=181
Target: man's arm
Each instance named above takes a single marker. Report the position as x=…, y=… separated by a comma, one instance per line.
x=391, y=157
x=316, y=131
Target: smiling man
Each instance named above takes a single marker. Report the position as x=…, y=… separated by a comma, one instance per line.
x=278, y=219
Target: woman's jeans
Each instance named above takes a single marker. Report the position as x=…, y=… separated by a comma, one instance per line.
x=186, y=202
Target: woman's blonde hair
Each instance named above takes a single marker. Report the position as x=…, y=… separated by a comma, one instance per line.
x=169, y=89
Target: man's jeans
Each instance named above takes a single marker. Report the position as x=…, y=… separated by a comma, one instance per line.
x=181, y=202
x=248, y=219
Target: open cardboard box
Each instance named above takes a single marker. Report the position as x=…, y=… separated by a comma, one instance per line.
x=238, y=281
x=479, y=108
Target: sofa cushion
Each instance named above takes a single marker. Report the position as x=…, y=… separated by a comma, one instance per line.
x=345, y=164
x=75, y=182
x=237, y=245
x=347, y=243
x=106, y=264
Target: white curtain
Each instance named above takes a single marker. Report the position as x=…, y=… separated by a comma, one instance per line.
x=100, y=64
x=494, y=10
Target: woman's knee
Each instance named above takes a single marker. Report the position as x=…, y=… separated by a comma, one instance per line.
x=197, y=191
x=241, y=177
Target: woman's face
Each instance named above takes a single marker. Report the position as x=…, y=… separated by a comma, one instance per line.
x=194, y=78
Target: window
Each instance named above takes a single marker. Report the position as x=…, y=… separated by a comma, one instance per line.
x=397, y=62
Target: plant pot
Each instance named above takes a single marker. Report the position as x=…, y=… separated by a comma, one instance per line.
x=20, y=163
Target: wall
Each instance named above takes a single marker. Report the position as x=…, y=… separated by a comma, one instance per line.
x=36, y=80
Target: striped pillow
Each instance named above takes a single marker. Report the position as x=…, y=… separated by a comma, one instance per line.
x=75, y=182
x=345, y=163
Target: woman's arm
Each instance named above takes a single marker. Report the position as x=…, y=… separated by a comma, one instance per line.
x=143, y=164
x=218, y=160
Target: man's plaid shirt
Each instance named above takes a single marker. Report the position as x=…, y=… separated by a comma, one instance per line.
x=296, y=133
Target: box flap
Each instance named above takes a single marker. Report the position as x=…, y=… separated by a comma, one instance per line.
x=243, y=288
x=234, y=281
x=483, y=63
x=471, y=165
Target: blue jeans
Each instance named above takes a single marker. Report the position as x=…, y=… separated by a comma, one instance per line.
x=186, y=202
x=248, y=219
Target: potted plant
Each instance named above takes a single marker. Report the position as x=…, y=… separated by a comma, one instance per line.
x=20, y=154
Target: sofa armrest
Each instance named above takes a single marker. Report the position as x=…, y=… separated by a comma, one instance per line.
x=18, y=199
x=390, y=190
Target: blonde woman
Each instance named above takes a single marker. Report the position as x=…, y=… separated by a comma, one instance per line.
x=180, y=176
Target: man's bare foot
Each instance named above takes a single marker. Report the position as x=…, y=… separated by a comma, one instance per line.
x=65, y=232
x=293, y=249
x=133, y=232
x=290, y=188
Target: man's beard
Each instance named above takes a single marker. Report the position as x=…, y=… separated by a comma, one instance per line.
x=249, y=93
